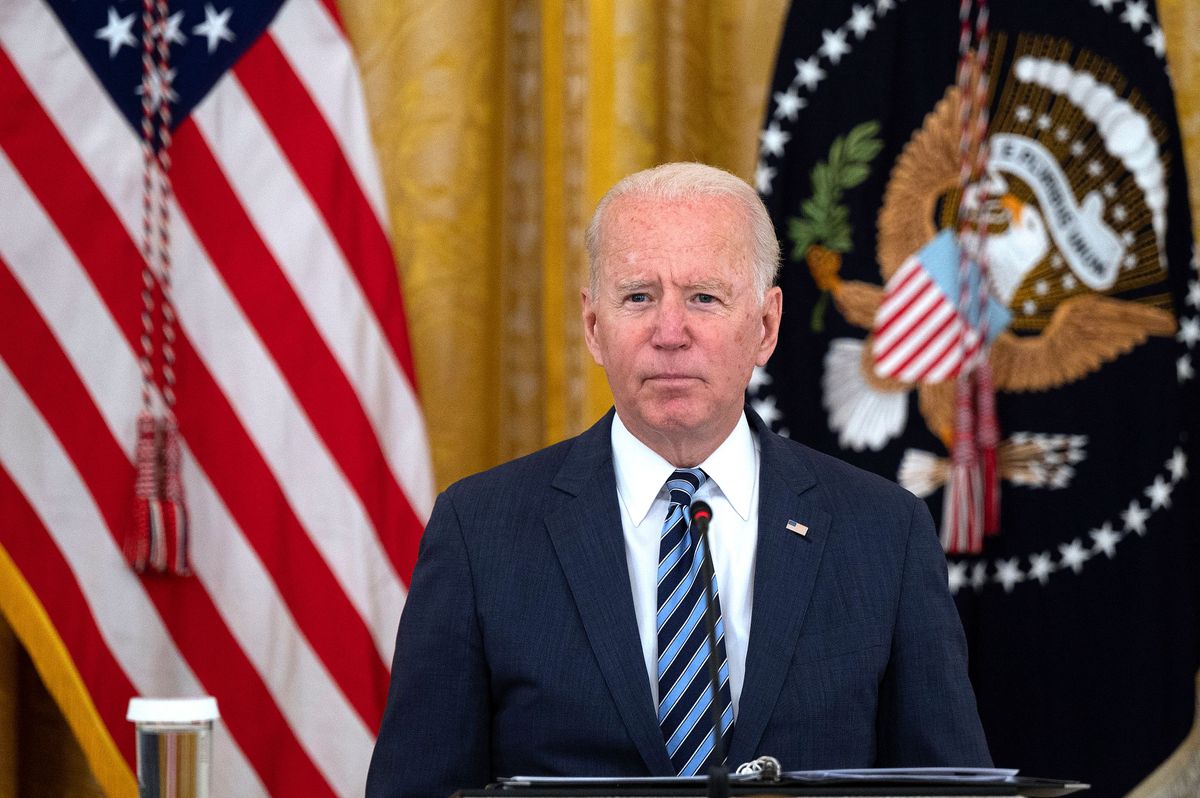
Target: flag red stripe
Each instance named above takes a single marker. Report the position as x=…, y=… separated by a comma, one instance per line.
x=314, y=152
x=220, y=444
x=248, y=710
x=34, y=552
x=930, y=337
x=889, y=305
x=283, y=325
x=912, y=326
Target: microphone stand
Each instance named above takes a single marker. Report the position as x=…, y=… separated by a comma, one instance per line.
x=718, y=773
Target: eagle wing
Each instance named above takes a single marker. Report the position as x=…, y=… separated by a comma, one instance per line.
x=1084, y=333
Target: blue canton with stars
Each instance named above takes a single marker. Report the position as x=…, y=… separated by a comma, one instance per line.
x=207, y=38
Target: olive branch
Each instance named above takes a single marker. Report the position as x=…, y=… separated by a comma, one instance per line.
x=823, y=228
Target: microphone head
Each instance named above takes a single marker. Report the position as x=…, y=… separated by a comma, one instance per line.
x=700, y=511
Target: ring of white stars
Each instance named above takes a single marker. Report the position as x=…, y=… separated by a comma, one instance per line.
x=836, y=44
x=1136, y=14
x=1073, y=555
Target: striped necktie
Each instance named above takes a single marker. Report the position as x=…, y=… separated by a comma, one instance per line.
x=684, y=686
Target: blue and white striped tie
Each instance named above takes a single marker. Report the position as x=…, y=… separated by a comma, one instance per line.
x=684, y=686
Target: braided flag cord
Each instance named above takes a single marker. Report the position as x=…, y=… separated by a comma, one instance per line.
x=972, y=505
x=157, y=540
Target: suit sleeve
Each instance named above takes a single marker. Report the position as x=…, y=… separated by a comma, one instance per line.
x=434, y=738
x=927, y=713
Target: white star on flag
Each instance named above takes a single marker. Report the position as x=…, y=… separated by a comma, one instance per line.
x=1074, y=555
x=833, y=45
x=1135, y=518
x=1008, y=574
x=1193, y=294
x=1189, y=331
x=979, y=576
x=1135, y=15
x=160, y=84
x=1105, y=539
x=1156, y=41
x=118, y=32
x=215, y=27
x=1041, y=566
x=884, y=6
x=766, y=409
x=1107, y=5
x=1177, y=465
x=773, y=139
x=957, y=576
x=758, y=378
x=809, y=72
x=763, y=175
x=1159, y=493
x=173, y=33
x=1183, y=368
x=788, y=104
x=861, y=21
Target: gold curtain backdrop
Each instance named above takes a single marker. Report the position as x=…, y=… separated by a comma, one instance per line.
x=498, y=126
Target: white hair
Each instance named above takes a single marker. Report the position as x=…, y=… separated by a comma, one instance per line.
x=684, y=181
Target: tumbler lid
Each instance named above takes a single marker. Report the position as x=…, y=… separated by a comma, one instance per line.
x=172, y=710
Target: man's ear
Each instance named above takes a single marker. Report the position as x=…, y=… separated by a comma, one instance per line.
x=588, y=308
x=772, y=312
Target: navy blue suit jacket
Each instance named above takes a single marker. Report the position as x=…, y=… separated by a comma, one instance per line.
x=518, y=651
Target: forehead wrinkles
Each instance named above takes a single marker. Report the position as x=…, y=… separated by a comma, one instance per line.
x=680, y=234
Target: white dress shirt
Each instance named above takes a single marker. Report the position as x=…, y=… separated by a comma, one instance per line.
x=732, y=492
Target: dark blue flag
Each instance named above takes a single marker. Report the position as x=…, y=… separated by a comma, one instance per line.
x=1083, y=612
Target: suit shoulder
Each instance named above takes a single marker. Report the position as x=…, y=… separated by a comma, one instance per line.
x=530, y=472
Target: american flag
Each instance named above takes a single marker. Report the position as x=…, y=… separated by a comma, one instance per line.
x=305, y=465
x=919, y=334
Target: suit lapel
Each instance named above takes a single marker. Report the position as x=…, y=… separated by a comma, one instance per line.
x=587, y=537
x=785, y=571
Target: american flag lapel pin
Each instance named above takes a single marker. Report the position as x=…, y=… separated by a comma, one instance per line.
x=797, y=527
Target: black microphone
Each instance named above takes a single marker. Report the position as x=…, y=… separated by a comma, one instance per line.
x=718, y=774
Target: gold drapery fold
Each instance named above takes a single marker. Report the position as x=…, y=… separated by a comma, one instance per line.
x=499, y=126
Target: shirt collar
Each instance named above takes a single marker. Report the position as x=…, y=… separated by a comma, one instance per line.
x=641, y=472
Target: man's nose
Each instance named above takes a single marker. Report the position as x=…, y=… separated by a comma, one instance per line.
x=671, y=325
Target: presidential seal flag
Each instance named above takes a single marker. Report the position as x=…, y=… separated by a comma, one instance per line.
x=1082, y=611
x=213, y=468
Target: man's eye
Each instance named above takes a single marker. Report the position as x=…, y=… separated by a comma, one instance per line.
x=705, y=299
x=638, y=298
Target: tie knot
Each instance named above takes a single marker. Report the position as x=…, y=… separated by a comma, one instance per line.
x=683, y=484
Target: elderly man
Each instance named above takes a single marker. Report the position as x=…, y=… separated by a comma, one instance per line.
x=555, y=620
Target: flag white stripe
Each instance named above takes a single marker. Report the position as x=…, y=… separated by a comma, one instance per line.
x=894, y=299
x=958, y=353
x=304, y=27
x=294, y=231
x=906, y=317
x=66, y=299
x=75, y=100
x=315, y=487
x=937, y=348
x=313, y=484
x=324, y=723
x=124, y=615
x=915, y=327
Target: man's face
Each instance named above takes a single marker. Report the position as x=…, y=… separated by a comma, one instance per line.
x=676, y=321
